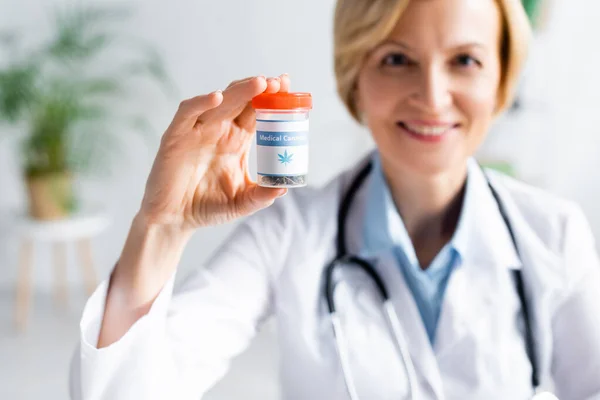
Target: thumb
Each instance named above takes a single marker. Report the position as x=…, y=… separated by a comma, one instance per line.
x=259, y=197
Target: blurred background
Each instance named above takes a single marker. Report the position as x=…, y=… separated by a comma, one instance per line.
x=86, y=89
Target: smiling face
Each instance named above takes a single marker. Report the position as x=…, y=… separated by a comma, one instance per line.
x=429, y=92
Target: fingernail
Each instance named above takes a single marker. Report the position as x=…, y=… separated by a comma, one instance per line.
x=286, y=74
x=283, y=193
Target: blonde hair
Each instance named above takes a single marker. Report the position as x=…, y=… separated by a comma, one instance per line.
x=360, y=25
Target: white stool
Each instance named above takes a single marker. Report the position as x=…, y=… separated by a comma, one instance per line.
x=78, y=229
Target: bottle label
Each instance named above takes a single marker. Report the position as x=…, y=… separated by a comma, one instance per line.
x=282, y=153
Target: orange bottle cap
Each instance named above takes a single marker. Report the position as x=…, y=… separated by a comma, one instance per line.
x=282, y=101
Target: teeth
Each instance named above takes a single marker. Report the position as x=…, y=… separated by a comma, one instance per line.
x=428, y=130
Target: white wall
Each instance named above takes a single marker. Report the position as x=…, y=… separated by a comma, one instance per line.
x=556, y=140
x=208, y=43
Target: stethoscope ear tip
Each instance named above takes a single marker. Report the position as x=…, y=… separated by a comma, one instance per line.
x=545, y=396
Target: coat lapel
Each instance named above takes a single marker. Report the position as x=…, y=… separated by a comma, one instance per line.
x=487, y=257
x=542, y=276
x=385, y=263
x=421, y=352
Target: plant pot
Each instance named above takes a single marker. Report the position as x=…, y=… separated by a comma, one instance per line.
x=50, y=195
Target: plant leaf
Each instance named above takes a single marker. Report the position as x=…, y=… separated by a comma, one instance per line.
x=17, y=90
x=285, y=158
x=77, y=37
x=151, y=65
x=74, y=113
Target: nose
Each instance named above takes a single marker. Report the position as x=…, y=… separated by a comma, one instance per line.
x=432, y=92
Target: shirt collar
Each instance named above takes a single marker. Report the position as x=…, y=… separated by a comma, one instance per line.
x=383, y=227
x=481, y=234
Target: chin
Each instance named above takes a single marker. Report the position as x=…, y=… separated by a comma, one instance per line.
x=425, y=165
x=433, y=153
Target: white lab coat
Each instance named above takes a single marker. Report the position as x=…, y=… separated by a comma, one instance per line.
x=272, y=265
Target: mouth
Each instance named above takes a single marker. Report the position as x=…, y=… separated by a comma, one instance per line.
x=427, y=131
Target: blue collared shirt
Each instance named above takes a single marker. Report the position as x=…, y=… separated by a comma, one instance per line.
x=383, y=229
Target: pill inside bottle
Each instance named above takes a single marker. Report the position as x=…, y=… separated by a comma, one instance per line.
x=282, y=138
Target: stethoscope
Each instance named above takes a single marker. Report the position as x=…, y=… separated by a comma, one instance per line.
x=343, y=258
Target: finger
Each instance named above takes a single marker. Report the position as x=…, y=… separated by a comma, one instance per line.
x=247, y=118
x=267, y=195
x=190, y=109
x=235, y=98
x=285, y=83
x=242, y=80
x=259, y=197
x=273, y=85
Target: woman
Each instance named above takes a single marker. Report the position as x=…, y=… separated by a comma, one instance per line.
x=427, y=77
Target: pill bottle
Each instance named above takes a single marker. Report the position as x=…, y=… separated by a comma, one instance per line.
x=282, y=138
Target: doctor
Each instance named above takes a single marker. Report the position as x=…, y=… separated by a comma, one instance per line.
x=494, y=283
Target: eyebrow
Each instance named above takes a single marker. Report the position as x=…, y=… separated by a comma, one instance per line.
x=455, y=47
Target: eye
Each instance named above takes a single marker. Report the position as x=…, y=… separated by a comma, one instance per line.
x=465, y=60
x=395, y=59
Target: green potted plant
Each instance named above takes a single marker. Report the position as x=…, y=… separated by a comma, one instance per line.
x=61, y=96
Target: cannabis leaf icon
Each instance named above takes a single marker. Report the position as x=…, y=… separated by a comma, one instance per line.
x=285, y=158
